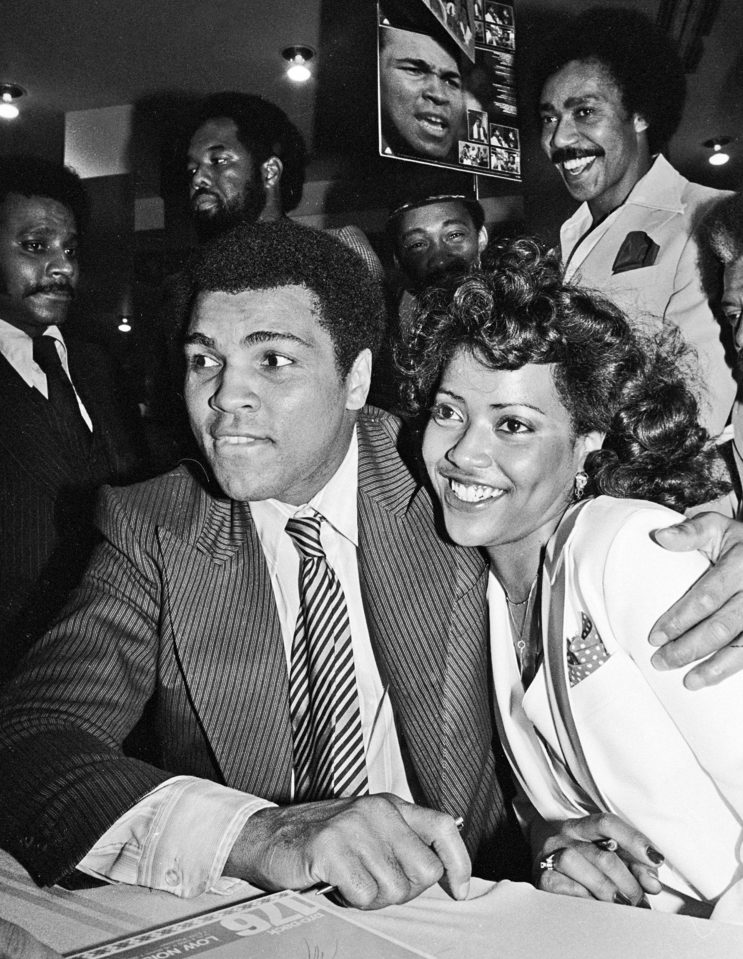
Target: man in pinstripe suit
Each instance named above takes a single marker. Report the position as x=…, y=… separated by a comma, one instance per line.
x=184, y=621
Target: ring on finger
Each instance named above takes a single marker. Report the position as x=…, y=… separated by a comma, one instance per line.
x=547, y=864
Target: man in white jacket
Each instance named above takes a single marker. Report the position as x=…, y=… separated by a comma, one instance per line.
x=612, y=95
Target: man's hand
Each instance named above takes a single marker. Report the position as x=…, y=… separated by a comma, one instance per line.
x=16, y=943
x=377, y=850
x=598, y=857
x=709, y=618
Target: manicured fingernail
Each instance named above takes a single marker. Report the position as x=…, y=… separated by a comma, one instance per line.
x=655, y=856
x=621, y=900
x=657, y=638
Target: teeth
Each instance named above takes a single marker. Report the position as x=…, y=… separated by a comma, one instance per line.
x=473, y=493
x=579, y=165
x=235, y=440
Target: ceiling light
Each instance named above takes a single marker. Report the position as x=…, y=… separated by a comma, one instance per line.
x=9, y=92
x=298, y=57
x=718, y=157
x=124, y=325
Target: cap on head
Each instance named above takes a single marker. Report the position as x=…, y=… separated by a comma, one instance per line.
x=413, y=203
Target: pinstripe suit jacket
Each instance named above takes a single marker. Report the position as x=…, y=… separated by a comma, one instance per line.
x=176, y=619
x=47, y=493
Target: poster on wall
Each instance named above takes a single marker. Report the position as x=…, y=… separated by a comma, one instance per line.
x=436, y=105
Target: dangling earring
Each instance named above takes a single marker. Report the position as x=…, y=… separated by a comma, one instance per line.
x=579, y=488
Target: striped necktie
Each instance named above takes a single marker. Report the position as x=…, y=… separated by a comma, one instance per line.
x=326, y=724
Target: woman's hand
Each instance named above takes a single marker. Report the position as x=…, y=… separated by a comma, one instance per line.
x=597, y=857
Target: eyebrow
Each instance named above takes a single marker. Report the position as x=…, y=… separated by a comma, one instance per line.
x=574, y=101
x=443, y=73
x=453, y=221
x=251, y=339
x=495, y=406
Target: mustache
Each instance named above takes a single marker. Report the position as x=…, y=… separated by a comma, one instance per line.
x=561, y=154
x=202, y=191
x=57, y=287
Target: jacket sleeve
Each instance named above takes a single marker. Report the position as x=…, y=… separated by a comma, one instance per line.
x=79, y=693
x=688, y=308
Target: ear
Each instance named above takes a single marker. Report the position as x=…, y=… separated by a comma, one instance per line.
x=482, y=239
x=271, y=170
x=358, y=381
x=640, y=123
x=588, y=443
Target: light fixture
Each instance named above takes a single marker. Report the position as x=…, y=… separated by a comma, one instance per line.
x=718, y=157
x=9, y=92
x=298, y=57
x=124, y=325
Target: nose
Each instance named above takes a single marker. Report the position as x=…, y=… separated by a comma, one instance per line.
x=234, y=391
x=200, y=176
x=61, y=263
x=435, y=89
x=472, y=451
x=562, y=133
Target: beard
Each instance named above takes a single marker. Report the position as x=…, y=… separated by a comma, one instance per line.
x=243, y=209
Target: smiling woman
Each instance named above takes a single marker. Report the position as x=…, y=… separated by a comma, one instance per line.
x=538, y=393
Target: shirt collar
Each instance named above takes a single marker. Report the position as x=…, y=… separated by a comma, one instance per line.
x=336, y=502
x=17, y=347
x=659, y=189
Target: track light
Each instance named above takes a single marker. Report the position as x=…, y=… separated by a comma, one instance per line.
x=718, y=157
x=9, y=93
x=298, y=57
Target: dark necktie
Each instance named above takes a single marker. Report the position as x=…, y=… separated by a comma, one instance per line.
x=64, y=407
x=326, y=724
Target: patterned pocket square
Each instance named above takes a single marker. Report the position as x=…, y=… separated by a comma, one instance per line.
x=636, y=252
x=585, y=653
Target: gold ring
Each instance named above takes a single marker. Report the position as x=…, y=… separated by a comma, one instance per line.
x=548, y=864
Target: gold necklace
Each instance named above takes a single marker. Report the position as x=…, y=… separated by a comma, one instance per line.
x=526, y=668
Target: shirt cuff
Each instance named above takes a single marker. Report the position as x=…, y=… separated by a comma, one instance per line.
x=176, y=838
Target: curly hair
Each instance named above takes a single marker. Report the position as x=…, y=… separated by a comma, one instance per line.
x=265, y=131
x=722, y=229
x=35, y=176
x=266, y=255
x=639, y=57
x=610, y=378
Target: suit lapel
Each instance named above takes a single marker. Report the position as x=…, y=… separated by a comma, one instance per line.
x=228, y=642
x=40, y=453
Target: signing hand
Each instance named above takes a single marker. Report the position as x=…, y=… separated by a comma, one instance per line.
x=579, y=864
x=709, y=618
x=376, y=850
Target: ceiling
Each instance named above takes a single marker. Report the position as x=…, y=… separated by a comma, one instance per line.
x=83, y=54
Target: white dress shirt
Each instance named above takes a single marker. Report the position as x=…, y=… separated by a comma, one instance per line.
x=180, y=835
x=17, y=348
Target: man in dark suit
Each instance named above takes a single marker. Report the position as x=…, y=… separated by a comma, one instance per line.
x=62, y=430
x=188, y=616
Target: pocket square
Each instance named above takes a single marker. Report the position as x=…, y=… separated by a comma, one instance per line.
x=585, y=653
x=637, y=251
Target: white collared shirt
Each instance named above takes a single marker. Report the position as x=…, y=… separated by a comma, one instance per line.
x=17, y=348
x=179, y=836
